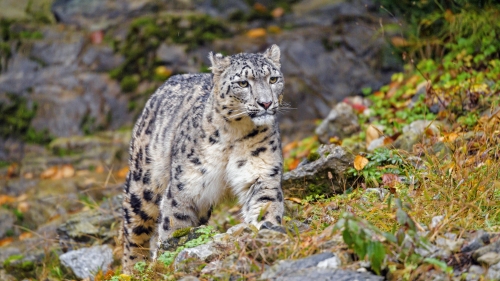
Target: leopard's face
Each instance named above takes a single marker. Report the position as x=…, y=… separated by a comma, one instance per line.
x=251, y=86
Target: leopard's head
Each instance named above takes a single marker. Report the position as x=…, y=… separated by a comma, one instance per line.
x=248, y=86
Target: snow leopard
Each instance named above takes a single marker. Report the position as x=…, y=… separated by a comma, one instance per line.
x=199, y=137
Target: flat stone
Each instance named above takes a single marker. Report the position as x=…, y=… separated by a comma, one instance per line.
x=86, y=262
x=341, y=122
x=308, y=269
x=7, y=220
x=489, y=258
x=314, y=177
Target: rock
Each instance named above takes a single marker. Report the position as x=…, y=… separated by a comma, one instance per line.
x=189, y=278
x=474, y=273
x=232, y=263
x=86, y=262
x=67, y=50
x=489, y=258
x=24, y=265
x=308, y=268
x=171, y=54
x=189, y=259
x=5, y=276
x=479, y=240
x=332, y=263
x=314, y=178
x=273, y=227
x=416, y=132
x=493, y=272
x=379, y=193
x=222, y=8
x=493, y=247
x=101, y=58
x=97, y=14
x=341, y=122
x=7, y=220
x=88, y=227
x=435, y=221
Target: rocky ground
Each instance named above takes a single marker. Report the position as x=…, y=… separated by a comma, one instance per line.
x=73, y=76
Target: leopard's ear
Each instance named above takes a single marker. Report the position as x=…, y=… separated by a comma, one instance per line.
x=219, y=63
x=273, y=54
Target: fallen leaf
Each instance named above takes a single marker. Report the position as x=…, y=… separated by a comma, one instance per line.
x=259, y=7
x=163, y=72
x=125, y=277
x=294, y=199
x=256, y=33
x=12, y=170
x=290, y=146
x=96, y=37
x=23, y=207
x=122, y=173
x=49, y=173
x=372, y=133
x=294, y=164
x=390, y=180
x=360, y=162
x=25, y=235
x=67, y=171
x=6, y=199
x=278, y=12
x=6, y=241
x=274, y=29
x=99, y=169
x=398, y=41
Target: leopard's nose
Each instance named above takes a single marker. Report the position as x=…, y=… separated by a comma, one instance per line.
x=265, y=105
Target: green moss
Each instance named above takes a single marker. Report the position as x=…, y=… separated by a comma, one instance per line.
x=15, y=120
x=148, y=32
x=181, y=232
x=11, y=259
x=129, y=84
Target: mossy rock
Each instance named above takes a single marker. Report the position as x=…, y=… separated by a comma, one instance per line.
x=21, y=266
x=325, y=176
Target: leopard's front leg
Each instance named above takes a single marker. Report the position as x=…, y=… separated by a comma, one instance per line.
x=263, y=202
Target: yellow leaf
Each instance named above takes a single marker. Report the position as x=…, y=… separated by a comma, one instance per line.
x=256, y=33
x=372, y=133
x=360, y=162
x=25, y=235
x=125, y=277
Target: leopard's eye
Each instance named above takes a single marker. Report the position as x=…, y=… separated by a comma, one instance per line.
x=243, y=84
x=273, y=80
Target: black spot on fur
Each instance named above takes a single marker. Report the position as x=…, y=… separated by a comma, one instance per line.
x=133, y=245
x=135, y=203
x=180, y=186
x=147, y=194
x=126, y=215
x=144, y=216
x=278, y=219
x=203, y=171
x=251, y=134
x=275, y=171
x=174, y=203
x=138, y=230
x=274, y=148
x=271, y=142
x=195, y=161
x=147, y=177
x=137, y=175
x=266, y=199
x=241, y=163
x=280, y=196
x=181, y=217
x=169, y=192
x=158, y=199
x=238, y=119
x=132, y=257
x=166, y=223
x=256, y=152
x=127, y=184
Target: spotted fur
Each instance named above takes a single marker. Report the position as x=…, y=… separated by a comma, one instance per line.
x=199, y=137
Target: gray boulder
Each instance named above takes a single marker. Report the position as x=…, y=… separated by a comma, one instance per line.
x=86, y=262
x=316, y=267
x=323, y=176
x=341, y=122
